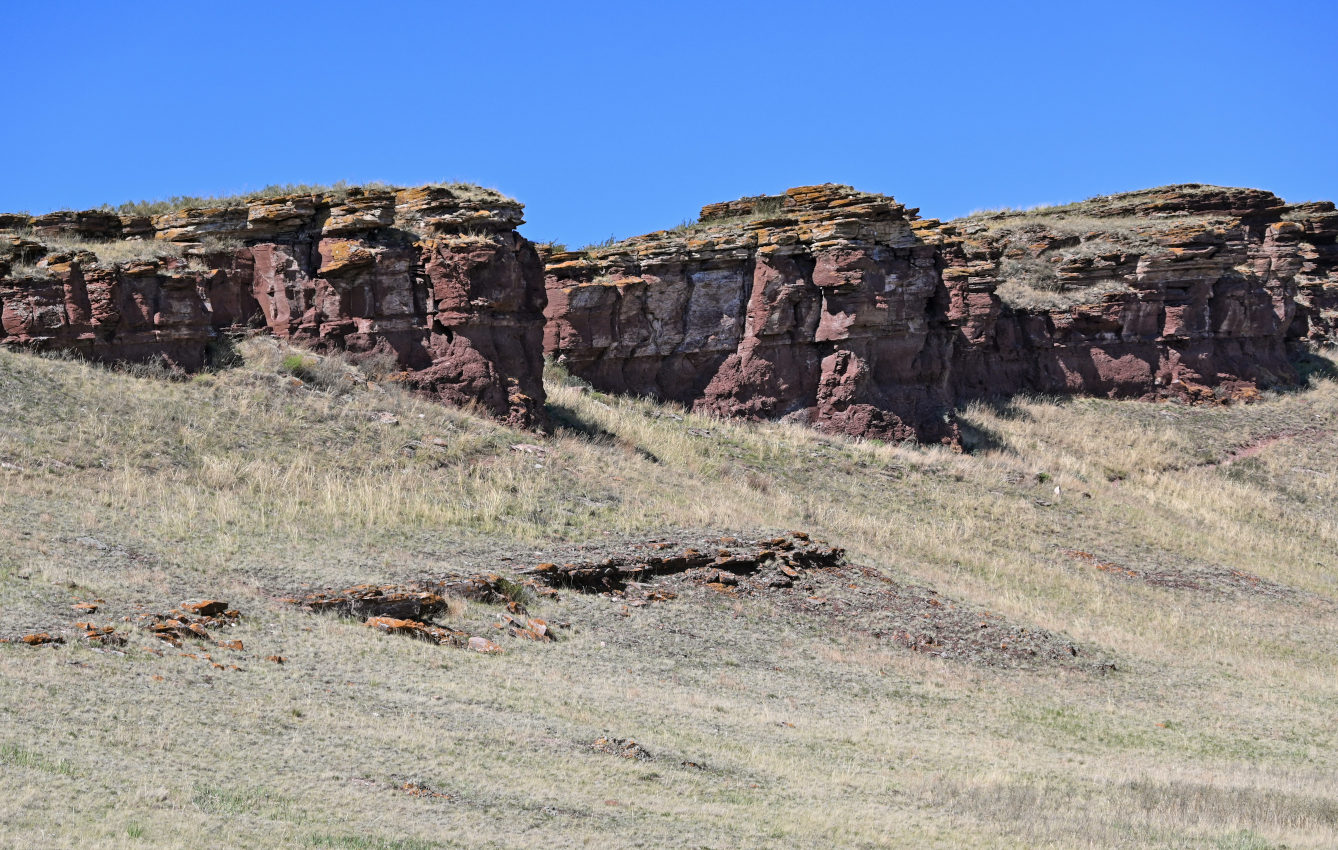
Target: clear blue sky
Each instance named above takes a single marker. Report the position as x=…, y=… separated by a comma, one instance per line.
x=619, y=118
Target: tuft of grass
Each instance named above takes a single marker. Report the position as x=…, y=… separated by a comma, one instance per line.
x=19, y=756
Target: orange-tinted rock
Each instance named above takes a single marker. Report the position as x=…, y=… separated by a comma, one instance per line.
x=204, y=607
x=100, y=635
x=482, y=644
x=40, y=638
x=186, y=622
x=416, y=629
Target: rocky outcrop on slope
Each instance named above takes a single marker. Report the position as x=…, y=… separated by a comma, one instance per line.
x=844, y=310
x=822, y=304
x=1187, y=291
x=436, y=276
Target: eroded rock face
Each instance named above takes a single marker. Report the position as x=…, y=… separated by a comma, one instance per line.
x=821, y=305
x=436, y=276
x=844, y=310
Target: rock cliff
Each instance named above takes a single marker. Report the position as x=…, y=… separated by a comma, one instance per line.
x=436, y=276
x=824, y=305
x=845, y=310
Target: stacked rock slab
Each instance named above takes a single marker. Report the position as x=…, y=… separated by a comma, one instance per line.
x=1196, y=292
x=821, y=304
x=844, y=310
x=436, y=276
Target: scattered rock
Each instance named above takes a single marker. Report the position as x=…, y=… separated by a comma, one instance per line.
x=366, y=600
x=417, y=789
x=204, y=607
x=418, y=630
x=530, y=448
x=482, y=644
x=184, y=623
x=722, y=561
x=100, y=635
x=621, y=747
x=530, y=628
x=36, y=639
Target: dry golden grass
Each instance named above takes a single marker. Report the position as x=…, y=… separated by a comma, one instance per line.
x=1215, y=731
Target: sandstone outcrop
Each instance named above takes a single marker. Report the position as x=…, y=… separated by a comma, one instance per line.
x=845, y=310
x=436, y=276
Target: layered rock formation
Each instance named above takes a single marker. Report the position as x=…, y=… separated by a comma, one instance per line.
x=823, y=305
x=844, y=310
x=436, y=276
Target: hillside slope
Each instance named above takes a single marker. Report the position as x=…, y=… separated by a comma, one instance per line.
x=1111, y=625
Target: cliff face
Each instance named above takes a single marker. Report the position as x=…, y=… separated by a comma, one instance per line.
x=843, y=310
x=824, y=305
x=436, y=276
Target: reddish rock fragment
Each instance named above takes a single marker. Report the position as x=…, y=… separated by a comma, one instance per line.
x=482, y=644
x=100, y=635
x=41, y=639
x=416, y=629
x=204, y=607
x=621, y=747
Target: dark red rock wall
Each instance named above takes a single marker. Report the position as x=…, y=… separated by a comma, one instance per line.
x=439, y=279
x=841, y=309
x=826, y=309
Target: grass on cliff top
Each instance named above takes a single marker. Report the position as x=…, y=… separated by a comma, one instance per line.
x=337, y=190
x=1095, y=206
x=108, y=251
x=769, y=728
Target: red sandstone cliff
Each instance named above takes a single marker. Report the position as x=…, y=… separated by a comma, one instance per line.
x=842, y=309
x=436, y=275
x=824, y=305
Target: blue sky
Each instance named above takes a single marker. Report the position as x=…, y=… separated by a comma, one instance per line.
x=619, y=118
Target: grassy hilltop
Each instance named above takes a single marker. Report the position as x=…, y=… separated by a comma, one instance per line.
x=1186, y=555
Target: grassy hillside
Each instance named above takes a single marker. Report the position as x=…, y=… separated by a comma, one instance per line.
x=1186, y=554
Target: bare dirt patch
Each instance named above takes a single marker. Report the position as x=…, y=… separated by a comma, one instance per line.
x=811, y=578
x=1258, y=445
x=1214, y=580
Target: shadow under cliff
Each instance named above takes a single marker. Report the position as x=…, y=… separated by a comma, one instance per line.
x=568, y=420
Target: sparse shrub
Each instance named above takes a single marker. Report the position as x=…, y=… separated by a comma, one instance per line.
x=515, y=591
x=221, y=353
x=378, y=365
x=1037, y=274
x=297, y=364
